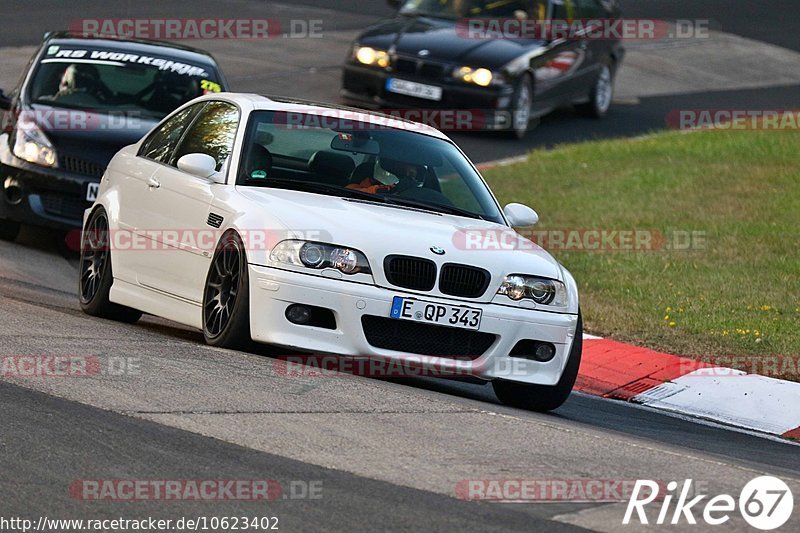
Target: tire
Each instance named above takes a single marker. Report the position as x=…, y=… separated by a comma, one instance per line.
x=542, y=397
x=522, y=102
x=602, y=93
x=226, y=298
x=96, y=274
x=9, y=229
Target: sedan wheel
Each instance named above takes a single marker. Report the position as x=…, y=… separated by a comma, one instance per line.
x=96, y=276
x=601, y=96
x=225, y=298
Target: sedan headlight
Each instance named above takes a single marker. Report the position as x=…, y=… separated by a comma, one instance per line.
x=317, y=255
x=32, y=145
x=478, y=76
x=367, y=55
x=543, y=291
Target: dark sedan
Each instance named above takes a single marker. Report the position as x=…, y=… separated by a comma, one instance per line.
x=80, y=101
x=511, y=61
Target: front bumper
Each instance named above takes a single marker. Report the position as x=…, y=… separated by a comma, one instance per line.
x=40, y=196
x=366, y=87
x=273, y=290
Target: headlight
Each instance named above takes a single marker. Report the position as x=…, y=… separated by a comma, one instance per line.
x=318, y=255
x=478, y=76
x=543, y=291
x=370, y=56
x=32, y=145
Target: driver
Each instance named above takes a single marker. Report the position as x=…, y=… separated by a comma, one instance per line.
x=387, y=174
x=81, y=78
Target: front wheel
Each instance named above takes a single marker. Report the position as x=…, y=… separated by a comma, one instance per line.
x=226, y=301
x=521, y=104
x=96, y=275
x=601, y=95
x=543, y=397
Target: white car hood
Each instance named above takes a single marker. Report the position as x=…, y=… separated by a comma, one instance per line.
x=379, y=230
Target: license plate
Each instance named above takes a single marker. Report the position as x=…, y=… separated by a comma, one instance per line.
x=91, y=192
x=444, y=315
x=412, y=88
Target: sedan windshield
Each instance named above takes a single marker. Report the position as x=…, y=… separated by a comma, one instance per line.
x=366, y=162
x=454, y=9
x=106, y=81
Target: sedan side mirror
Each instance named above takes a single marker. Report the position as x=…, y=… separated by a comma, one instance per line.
x=202, y=166
x=520, y=215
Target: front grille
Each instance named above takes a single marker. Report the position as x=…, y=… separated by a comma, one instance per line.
x=83, y=167
x=425, y=339
x=462, y=280
x=63, y=206
x=434, y=71
x=410, y=272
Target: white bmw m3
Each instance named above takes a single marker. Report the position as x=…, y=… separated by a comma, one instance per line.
x=332, y=231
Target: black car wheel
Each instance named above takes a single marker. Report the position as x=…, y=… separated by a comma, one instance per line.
x=9, y=230
x=601, y=95
x=521, y=104
x=96, y=275
x=226, y=314
x=542, y=397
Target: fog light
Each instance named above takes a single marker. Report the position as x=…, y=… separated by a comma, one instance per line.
x=298, y=314
x=544, y=352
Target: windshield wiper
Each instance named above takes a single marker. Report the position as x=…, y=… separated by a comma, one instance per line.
x=437, y=208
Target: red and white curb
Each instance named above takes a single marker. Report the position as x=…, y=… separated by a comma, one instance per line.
x=683, y=386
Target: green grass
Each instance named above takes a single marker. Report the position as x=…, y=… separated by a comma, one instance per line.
x=739, y=295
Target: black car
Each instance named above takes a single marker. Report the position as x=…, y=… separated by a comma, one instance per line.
x=428, y=57
x=80, y=101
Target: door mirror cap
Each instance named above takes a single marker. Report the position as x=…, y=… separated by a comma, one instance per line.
x=520, y=215
x=202, y=166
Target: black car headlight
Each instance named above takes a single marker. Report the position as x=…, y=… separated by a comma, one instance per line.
x=479, y=76
x=317, y=256
x=366, y=55
x=543, y=291
x=33, y=146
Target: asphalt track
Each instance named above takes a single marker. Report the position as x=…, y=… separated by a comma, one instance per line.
x=389, y=454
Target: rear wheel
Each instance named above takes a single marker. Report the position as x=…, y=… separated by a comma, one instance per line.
x=96, y=275
x=542, y=397
x=226, y=301
x=9, y=229
x=601, y=95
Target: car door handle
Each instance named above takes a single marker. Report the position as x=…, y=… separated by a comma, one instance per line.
x=153, y=183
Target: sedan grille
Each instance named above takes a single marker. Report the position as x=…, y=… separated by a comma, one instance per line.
x=410, y=272
x=464, y=281
x=63, y=206
x=417, y=67
x=83, y=167
x=425, y=339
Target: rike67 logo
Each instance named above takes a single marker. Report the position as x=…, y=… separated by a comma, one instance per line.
x=766, y=503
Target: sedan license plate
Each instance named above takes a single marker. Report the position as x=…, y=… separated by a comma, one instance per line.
x=444, y=315
x=412, y=88
x=91, y=191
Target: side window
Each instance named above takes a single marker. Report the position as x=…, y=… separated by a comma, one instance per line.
x=212, y=133
x=162, y=142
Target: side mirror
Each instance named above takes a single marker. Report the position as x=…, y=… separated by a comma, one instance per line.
x=395, y=3
x=520, y=215
x=200, y=165
x=5, y=101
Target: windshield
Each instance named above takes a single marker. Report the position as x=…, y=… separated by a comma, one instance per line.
x=106, y=81
x=348, y=158
x=454, y=9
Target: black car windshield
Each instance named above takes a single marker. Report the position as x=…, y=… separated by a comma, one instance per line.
x=346, y=157
x=115, y=81
x=455, y=9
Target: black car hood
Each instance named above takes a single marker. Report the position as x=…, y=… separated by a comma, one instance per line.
x=445, y=41
x=90, y=135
